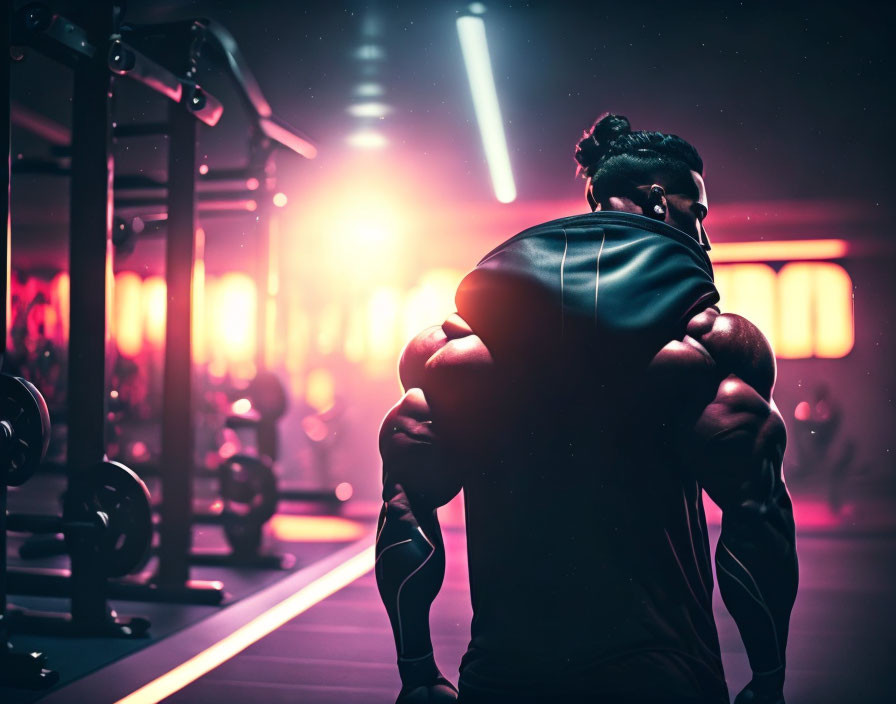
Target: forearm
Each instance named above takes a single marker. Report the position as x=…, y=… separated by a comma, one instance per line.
x=757, y=570
x=410, y=567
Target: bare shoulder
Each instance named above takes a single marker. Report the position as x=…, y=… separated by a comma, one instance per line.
x=737, y=347
x=722, y=374
x=687, y=372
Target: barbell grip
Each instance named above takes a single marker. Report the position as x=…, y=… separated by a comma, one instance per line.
x=33, y=523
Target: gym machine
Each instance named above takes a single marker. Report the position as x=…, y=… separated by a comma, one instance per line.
x=165, y=59
x=105, y=521
x=93, y=49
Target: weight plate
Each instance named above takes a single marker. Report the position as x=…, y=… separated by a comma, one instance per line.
x=115, y=490
x=23, y=409
x=248, y=489
x=244, y=538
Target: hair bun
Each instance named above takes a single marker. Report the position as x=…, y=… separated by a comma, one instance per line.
x=596, y=143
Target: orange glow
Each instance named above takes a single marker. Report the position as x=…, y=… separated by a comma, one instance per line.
x=355, y=345
x=280, y=199
x=778, y=251
x=230, y=329
x=273, y=339
x=320, y=389
x=59, y=298
x=431, y=301
x=51, y=322
x=834, y=327
x=362, y=242
x=806, y=310
x=110, y=290
x=329, y=328
x=750, y=290
x=233, y=326
x=816, y=311
x=128, y=326
x=155, y=310
x=298, y=335
x=358, y=562
x=795, y=316
x=315, y=529
x=383, y=332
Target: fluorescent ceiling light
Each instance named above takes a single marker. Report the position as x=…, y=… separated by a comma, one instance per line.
x=370, y=52
x=369, y=90
x=368, y=110
x=367, y=140
x=474, y=47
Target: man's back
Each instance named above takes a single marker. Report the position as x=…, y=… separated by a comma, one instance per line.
x=586, y=547
x=576, y=403
x=587, y=543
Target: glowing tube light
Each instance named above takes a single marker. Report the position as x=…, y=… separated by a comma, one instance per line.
x=369, y=109
x=781, y=251
x=369, y=90
x=128, y=328
x=474, y=47
x=367, y=140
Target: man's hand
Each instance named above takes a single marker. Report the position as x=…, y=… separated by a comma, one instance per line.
x=439, y=692
x=423, y=683
x=763, y=689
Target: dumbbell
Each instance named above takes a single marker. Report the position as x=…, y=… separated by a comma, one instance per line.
x=107, y=502
x=248, y=490
x=269, y=403
x=248, y=500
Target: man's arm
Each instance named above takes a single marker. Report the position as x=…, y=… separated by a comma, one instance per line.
x=421, y=473
x=733, y=439
x=737, y=452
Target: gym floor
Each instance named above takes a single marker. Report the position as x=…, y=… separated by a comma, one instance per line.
x=338, y=646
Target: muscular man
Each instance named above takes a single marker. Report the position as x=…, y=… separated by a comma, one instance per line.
x=584, y=394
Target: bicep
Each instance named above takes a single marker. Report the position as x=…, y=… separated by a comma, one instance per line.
x=426, y=435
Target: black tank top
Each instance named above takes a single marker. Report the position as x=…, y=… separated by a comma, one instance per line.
x=587, y=545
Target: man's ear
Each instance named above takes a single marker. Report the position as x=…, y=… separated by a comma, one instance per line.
x=656, y=206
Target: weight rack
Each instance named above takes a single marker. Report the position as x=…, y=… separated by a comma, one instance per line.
x=172, y=73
